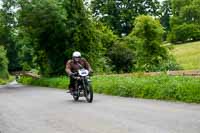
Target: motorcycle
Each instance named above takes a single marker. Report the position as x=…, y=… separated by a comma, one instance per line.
x=82, y=87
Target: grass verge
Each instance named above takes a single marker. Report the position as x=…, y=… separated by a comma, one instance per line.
x=188, y=55
x=3, y=82
x=163, y=87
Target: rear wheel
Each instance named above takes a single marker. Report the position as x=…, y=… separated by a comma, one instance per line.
x=89, y=93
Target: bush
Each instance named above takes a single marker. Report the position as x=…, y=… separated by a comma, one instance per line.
x=185, y=32
x=150, y=53
x=3, y=64
x=165, y=65
x=122, y=56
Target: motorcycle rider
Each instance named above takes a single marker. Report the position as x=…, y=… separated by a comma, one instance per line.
x=73, y=65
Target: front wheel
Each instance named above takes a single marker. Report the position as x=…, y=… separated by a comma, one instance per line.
x=89, y=93
x=75, y=97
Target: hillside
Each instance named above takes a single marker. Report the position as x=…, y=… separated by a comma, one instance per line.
x=188, y=55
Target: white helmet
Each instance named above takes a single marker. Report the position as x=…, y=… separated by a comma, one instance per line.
x=76, y=54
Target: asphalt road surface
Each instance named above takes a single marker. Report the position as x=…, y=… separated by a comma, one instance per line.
x=25, y=109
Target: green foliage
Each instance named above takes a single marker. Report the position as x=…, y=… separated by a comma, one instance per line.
x=142, y=49
x=3, y=64
x=118, y=15
x=42, y=34
x=165, y=65
x=83, y=35
x=147, y=28
x=163, y=87
x=8, y=33
x=177, y=5
x=185, y=21
x=106, y=36
x=108, y=40
x=5, y=81
x=122, y=57
x=185, y=32
x=51, y=30
x=166, y=12
x=150, y=53
x=191, y=13
x=41, y=25
x=26, y=52
x=2, y=82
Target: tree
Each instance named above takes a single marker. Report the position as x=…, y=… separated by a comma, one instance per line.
x=26, y=51
x=56, y=28
x=185, y=21
x=148, y=33
x=191, y=13
x=185, y=32
x=3, y=64
x=7, y=34
x=42, y=23
x=177, y=5
x=118, y=15
x=107, y=38
x=166, y=12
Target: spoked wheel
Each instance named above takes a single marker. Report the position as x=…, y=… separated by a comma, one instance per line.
x=89, y=93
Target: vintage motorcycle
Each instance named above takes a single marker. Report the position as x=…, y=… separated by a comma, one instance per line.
x=83, y=87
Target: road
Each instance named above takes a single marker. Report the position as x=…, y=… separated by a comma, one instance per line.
x=25, y=109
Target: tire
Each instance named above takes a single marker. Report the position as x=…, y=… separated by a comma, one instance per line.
x=76, y=96
x=89, y=93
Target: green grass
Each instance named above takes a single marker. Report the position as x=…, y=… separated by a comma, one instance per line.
x=3, y=82
x=162, y=87
x=188, y=55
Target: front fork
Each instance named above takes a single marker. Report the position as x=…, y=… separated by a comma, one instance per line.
x=84, y=82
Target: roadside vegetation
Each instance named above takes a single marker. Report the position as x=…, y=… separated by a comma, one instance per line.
x=4, y=75
x=5, y=81
x=163, y=87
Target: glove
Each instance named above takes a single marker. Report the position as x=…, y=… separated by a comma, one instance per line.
x=71, y=75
